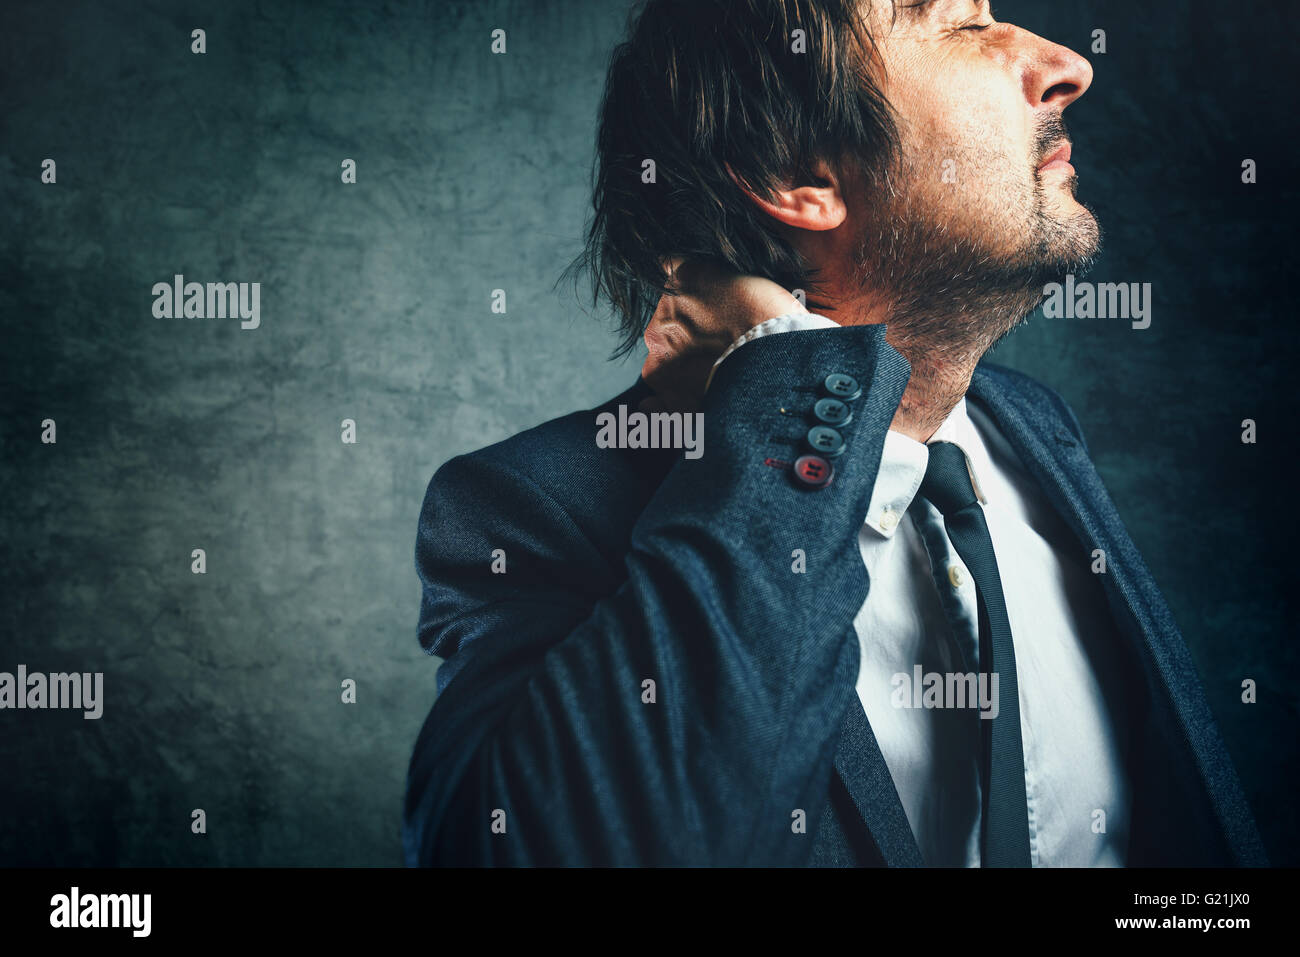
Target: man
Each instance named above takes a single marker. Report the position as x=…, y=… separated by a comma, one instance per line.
x=885, y=612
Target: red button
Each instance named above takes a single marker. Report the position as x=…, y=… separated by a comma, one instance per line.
x=813, y=471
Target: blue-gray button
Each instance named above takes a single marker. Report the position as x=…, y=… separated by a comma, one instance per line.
x=832, y=411
x=842, y=386
x=824, y=440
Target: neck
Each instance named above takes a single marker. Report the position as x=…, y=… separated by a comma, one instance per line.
x=942, y=358
x=933, y=391
x=943, y=336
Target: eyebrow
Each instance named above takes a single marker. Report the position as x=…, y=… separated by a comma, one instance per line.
x=917, y=9
x=914, y=9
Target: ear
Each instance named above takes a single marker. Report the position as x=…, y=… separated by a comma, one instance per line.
x=814, y=208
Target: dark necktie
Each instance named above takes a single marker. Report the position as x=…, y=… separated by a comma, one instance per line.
x=1004, y=834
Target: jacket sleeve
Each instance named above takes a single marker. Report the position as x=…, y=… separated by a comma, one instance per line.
x=547, y=744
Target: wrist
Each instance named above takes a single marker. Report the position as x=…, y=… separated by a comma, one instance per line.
x=790, y=321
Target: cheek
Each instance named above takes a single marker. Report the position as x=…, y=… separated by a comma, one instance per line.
x=955, y=103
x=964, y=133
x=982, y=139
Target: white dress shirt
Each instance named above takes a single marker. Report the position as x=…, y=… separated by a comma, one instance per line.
x=921, y=609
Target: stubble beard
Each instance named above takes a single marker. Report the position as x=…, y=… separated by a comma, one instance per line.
x=951, y=284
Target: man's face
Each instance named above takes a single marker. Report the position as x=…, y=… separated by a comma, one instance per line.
x=981, y=211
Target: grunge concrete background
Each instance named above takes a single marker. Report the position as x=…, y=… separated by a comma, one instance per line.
x=222, y=691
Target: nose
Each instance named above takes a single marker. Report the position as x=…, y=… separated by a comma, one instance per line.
x=1055, y=76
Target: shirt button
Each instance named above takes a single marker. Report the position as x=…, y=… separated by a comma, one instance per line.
x=956, y=575
x=842, y=386
x=813, y=471
x=888, y=519
x=832, y=411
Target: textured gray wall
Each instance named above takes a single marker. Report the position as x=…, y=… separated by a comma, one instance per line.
x=222, y=690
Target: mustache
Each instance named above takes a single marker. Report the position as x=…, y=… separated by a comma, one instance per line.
x=1048, y=136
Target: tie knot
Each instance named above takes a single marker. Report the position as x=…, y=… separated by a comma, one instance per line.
x=947, y=483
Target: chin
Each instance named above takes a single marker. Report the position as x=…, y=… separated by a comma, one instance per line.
x=1074, y=231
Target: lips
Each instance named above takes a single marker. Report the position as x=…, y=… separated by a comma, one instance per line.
x=1057, y=159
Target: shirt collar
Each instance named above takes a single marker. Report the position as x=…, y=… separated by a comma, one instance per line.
x=902, y=468
x=961, y=432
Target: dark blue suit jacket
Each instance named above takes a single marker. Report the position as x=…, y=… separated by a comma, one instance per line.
x=628, y=565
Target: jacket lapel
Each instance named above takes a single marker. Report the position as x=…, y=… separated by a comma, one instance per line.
x=1061, y=464
x=862, y=768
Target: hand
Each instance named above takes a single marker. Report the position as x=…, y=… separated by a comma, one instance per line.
x=711, y=309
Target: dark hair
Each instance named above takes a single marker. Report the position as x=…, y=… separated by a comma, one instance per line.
x=703, y=84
